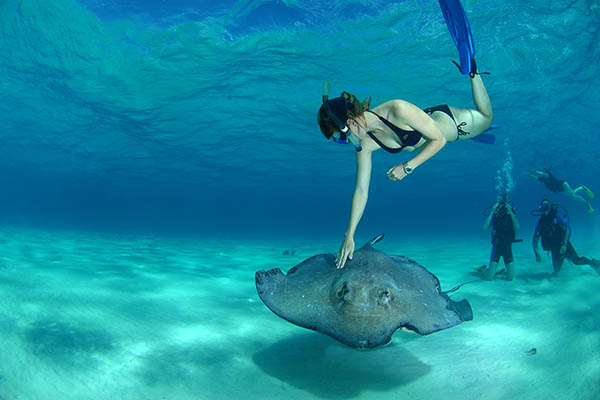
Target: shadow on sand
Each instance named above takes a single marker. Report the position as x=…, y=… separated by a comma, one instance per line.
x=67, y=344
x=325, y=368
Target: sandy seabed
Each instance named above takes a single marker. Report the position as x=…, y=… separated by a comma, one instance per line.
x=97, y=316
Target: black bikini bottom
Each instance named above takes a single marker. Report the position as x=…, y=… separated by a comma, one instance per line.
x=446, y=110
x=443, y=108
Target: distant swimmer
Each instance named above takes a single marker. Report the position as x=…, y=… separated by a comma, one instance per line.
x=553, y=228
x=398, y=125
x=559, y=186
x=504, y=224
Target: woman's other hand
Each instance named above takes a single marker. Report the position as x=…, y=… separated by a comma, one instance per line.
x=396, y=173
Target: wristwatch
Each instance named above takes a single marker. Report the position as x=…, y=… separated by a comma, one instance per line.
x=407, y=169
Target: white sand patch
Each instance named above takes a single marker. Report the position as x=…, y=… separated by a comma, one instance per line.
x=142, y=318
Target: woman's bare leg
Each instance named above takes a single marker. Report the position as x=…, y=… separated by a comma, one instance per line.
x=476, y=121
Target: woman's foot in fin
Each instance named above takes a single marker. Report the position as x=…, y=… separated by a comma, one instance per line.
x=474, y=70
x=590, y=209
x=588, y=192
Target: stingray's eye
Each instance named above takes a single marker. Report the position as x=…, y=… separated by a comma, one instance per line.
x=342, y=291
x=385, y=297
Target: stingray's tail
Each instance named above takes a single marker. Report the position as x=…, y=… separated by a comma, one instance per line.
x=375, y=240
x=455, y=288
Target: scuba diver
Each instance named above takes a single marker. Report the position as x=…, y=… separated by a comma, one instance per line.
x=504, y=225
x=553, y=228
x=398, y=125
x=556, y=185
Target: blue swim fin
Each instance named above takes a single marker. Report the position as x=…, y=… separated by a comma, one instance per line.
x=460, y=30
x=487, y=138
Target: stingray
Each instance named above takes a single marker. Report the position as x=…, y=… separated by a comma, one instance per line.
x=364, y=303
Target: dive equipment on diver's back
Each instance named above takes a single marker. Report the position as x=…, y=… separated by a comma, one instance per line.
x=408, y=170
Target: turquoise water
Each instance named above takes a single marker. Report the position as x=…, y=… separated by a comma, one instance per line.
x=154, y=155
x=151, y=121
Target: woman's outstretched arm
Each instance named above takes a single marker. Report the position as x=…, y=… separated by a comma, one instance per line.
x=359, y=202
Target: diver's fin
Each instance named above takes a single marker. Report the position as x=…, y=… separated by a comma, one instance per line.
x=480, y=269
x=460, y=31
x=487, y=138
x=590, y=208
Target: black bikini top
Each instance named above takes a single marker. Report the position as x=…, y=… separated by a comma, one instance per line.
x=407, y=138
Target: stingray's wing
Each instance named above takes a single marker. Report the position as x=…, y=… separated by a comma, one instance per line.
x=301, y=296
x=308, y=296
x=430, y=309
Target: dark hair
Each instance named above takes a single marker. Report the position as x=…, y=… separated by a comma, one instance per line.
x=328, y=127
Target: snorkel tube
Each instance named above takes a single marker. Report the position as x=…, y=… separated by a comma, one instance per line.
x=345, y=134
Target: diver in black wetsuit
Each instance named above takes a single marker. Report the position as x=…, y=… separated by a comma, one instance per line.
x=555, y=232
x=559, y=186
x=504, y=225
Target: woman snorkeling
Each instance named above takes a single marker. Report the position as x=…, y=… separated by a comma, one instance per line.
x=394, y=126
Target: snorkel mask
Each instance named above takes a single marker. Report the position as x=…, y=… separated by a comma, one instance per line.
x=339, y=106
x=543, y=208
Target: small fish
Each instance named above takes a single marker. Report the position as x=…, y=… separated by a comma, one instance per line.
x=531, y=352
